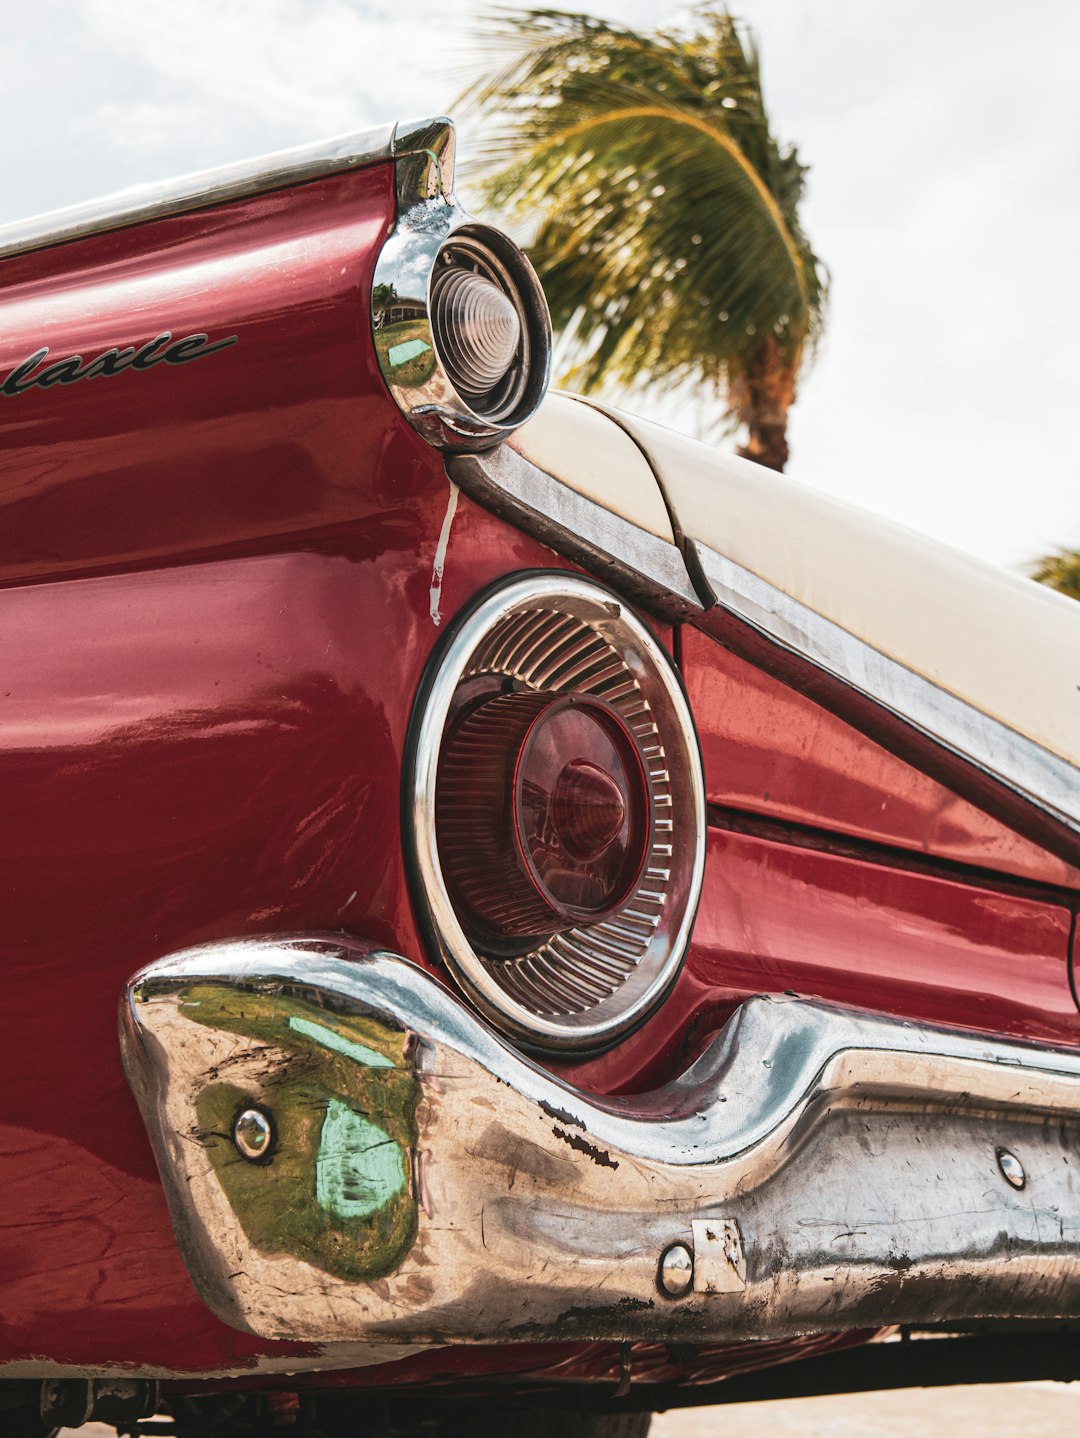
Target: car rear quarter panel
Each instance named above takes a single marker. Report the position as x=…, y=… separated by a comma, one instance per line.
x=222, y=582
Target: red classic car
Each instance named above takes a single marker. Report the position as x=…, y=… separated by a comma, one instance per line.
x=591, y=919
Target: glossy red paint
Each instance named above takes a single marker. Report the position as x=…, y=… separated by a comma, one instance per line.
x=287, y=432
x=211, y=750
x=770, y=750
x=777, y=917
x=1037, y=824
x=927, y=922
x=196, y=750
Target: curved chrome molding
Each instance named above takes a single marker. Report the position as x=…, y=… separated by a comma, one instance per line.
x=647, y=568
x=142, y=203
x=428, y=218
x=646, y=941
x=1009, y=758
x=821, y=1168
x=424, y=154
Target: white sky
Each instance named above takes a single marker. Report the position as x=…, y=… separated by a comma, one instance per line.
x=944, y=141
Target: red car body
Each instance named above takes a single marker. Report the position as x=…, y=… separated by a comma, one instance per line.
x=215, y=619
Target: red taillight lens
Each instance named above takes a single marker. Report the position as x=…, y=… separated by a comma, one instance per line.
x=543, y=813
x=582, y=802
x=588, y=807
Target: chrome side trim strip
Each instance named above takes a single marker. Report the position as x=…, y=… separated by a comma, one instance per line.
x=820, y=1168
x=1009, y=758
x=156, y=201
x=645, y=567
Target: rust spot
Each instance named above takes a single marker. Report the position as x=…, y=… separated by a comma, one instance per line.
x=599, y=1156
x=608, y=1322
x=562, y=1114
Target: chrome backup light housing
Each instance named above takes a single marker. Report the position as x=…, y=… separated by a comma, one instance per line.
x=433, y=237
x=561, y=634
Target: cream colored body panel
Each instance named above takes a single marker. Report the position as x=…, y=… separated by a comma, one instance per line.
x=576, y=444
x=997, y=641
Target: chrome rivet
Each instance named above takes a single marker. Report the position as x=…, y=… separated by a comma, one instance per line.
x=1012, y=1169
x=252, y=1133
x=676, y=1270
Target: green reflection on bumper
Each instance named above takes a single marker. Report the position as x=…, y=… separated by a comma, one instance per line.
x=336, y=1189
x=358, y=1167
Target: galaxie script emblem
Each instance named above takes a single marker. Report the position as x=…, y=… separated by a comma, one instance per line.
x=161, y=349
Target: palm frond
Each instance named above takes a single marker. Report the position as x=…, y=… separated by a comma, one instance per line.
x=1060, y=571
x=664, y=215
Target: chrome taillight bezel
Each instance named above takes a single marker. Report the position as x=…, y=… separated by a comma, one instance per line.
x=628, y=659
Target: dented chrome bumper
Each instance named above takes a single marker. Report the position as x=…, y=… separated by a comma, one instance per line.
x=402, y=1174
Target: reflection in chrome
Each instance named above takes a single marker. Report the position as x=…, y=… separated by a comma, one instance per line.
x=677, y=1270
x=461, y=326
x=555, y=633
x=424, y=153
x=253, y=1133
x=1012, y=1169
x=819, y=1168
x=648, y=569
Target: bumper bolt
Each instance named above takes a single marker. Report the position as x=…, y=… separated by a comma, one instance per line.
x=1011, y=1168
x=253, y=1134
x=676, y=1270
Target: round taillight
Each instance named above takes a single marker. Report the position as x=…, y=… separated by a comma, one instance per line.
x=556, y=811
x=543, y=814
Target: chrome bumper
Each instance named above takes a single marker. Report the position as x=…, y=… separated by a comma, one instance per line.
x=422, y=1182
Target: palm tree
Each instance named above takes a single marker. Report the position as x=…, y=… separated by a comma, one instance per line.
x=664, y=211
x=1061, y=571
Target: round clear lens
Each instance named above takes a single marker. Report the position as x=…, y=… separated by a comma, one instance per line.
x=478, y=328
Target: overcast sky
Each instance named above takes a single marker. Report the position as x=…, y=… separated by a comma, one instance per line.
x=944, y=143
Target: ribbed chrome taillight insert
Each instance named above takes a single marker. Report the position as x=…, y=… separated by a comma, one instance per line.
x=558, y=811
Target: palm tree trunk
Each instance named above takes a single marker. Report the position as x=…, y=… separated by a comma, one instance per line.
x=760, y=399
